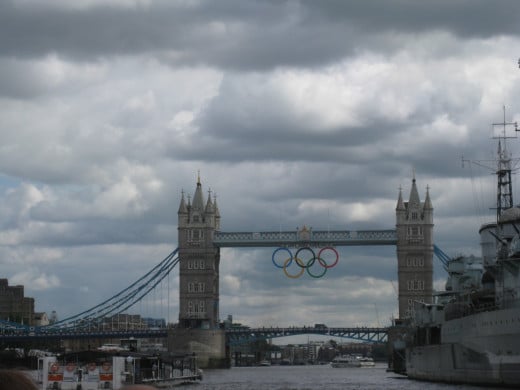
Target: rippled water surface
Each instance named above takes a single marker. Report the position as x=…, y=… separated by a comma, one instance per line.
x=313, y=377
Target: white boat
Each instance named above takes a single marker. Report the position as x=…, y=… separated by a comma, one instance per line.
x=366, y=361
x=352, y=360
x=112, y=348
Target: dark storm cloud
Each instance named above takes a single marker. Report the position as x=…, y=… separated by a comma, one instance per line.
x=464, y=18
x=241, y=34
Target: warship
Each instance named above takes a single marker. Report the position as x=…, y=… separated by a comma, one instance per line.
x=470, y=333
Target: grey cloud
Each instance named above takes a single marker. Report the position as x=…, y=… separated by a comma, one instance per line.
x=241, y=35
x=108, y=154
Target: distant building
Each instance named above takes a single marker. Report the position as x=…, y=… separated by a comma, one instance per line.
x=41, y=319
x=54, y=317
x=14, y=306
x=154, y=322
x=364, y=349
x=123, y=321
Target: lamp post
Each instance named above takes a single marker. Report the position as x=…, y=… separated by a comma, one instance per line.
x=131, y=369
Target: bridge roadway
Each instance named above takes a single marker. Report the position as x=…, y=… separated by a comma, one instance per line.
x=234, y=336
x=241, y=335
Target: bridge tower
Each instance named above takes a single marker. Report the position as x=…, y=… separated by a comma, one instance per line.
x=198, y=328
x=414, y=228
x=199, y=261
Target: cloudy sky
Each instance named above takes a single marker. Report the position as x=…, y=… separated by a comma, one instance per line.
x=295, y=112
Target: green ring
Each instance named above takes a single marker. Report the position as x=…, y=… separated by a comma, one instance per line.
x=323, y=263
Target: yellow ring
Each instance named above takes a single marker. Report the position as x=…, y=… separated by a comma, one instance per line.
x=296, y=276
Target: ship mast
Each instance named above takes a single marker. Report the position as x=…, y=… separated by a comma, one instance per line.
x=502, y=166
x=503, y=171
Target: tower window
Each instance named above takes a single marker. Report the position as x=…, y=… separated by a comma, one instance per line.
x=196, y=287
x=415, y=261
x=415, y=285
x=196, y=308
x=195, y=235
x=196, y=264
x=415, y=233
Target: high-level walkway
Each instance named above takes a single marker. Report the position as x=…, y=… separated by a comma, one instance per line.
x=307, y=237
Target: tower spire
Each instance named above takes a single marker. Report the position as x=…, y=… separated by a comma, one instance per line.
x=198, y=202
x=400, y=203
x=182, y=207
x=414, y=194
x=427, y=201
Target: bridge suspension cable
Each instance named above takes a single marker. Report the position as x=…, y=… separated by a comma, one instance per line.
x=443, y=257
x=123, y=299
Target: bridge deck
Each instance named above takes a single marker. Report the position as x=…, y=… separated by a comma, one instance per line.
x=234, y=335
x=241, y=335
x=305, y=237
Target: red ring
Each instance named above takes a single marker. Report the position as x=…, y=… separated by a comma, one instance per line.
x=332, y=249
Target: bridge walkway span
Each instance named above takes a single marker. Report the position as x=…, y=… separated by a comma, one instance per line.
x=305, y=238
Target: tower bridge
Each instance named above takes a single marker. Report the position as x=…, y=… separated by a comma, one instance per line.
x=200, y=239
x=198, y=258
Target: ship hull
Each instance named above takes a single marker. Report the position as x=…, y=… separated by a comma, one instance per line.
x=449, y=363
x=479, y=349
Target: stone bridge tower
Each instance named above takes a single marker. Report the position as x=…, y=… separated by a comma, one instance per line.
x=414, y=226
x=198, y=328
x=199, y=262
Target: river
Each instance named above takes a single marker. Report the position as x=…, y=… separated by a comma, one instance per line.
x=314, y=378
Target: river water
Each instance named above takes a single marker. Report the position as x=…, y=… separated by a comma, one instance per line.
x=314, y=378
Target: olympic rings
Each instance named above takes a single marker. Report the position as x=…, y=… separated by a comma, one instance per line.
x=306, y=264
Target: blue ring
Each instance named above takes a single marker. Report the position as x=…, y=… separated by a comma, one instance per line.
x=282, y=249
